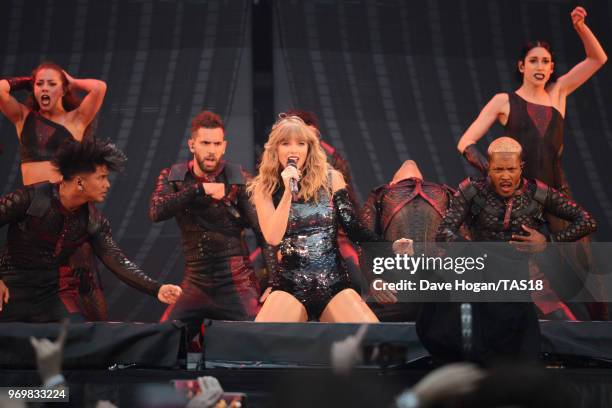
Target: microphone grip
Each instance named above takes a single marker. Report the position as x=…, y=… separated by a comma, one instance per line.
x=293, y=183
x=293, y=186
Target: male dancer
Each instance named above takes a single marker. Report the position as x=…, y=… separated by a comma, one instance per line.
x=47, y=222
x=501, y=208
x=408, y=207
x=208, y=198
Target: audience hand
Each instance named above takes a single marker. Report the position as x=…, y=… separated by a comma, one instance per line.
x=447, y=382
x=49, y=353
x=347, y=353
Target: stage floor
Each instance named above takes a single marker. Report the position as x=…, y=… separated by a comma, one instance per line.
x=115, y=360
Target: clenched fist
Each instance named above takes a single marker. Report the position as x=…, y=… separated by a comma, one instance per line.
x=169, y=294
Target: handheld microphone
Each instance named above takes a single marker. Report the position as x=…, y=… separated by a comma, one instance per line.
x=293, y=183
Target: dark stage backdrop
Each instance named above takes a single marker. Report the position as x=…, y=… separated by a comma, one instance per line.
x=393, y=80
x=390, y=81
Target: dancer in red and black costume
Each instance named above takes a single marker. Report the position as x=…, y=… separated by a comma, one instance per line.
x=47, y=222
x=534, y=116
x=52, y=115
x=207, y=197
x=409, y=207
x=504, y=207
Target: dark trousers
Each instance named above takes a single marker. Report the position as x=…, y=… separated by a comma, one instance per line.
x=35, y=298
x=499, y=331
x=231, y=293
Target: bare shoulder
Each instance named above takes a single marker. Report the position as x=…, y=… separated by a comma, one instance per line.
x=557, y=96
x=260, y=198
x=74, y=117
x=500, y=99
x=337, y=179
x=257, y=195
x=500, y=106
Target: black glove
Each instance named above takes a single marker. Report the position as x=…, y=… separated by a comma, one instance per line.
x=476, y=159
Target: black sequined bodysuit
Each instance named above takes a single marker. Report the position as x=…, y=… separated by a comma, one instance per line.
x=40, y=138
x=311, y=268
x=42, y=235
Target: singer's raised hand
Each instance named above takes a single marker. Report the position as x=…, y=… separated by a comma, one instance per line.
x=289, y=173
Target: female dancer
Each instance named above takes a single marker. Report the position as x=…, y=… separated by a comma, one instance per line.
x=312, y=281
x=533, y=114
x=53, y=114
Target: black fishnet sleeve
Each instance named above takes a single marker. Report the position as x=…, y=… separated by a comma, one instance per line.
x=166, y=203
x=369, y=216
x=109, y=253
x=581, y=222
x=473, y=156
x=458, y=210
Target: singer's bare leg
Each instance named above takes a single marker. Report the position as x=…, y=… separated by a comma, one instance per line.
x=283, y=307
x=348, y=307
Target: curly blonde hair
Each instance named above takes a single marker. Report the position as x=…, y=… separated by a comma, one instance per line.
x=315, y=168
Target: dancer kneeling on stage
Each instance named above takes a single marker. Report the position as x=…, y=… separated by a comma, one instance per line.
x=47, y=222
x=300, y=202
x=504, y=207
